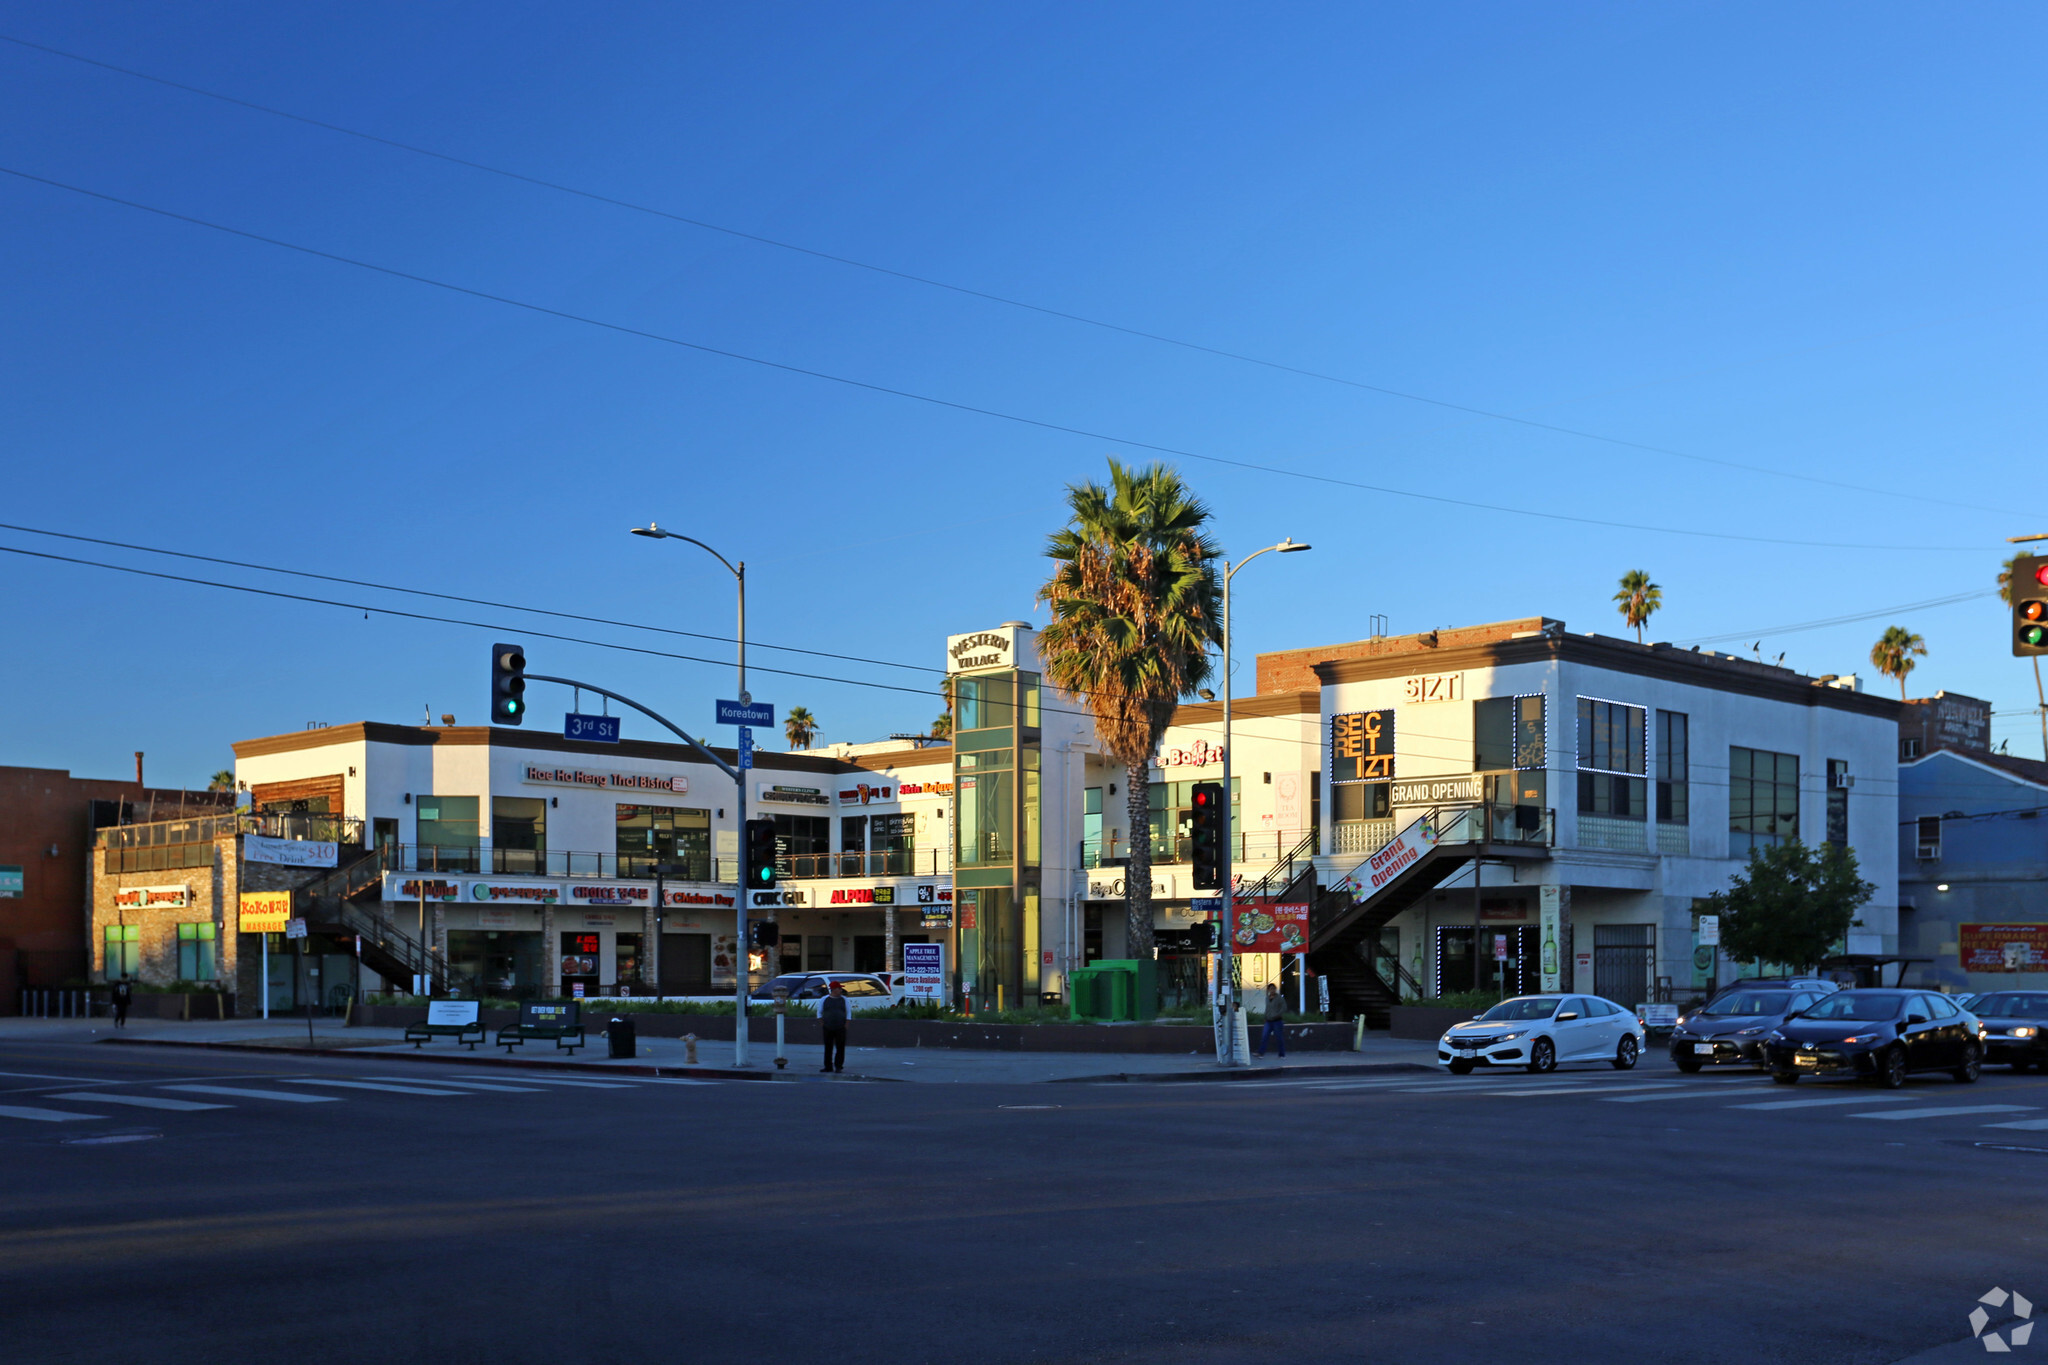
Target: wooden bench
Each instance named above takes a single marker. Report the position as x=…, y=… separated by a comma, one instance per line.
x=560, y=1020
x=457, y=1019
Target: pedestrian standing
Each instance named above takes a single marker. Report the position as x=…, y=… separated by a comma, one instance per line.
x=832, y=1017
x=123, y=993
x=1276, y=1021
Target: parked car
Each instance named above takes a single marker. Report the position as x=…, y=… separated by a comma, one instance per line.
x=1820, y=985
x=864, y=990
x=1732, y=1026
x=2015, y=1027
x=1879, y=1035
x=1540, y=1031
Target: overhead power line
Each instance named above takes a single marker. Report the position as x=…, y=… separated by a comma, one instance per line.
x=1881, y=612
x=967, y=291
x=866, y=386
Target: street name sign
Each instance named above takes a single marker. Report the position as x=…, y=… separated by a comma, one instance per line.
x=596, y=729
x=746, y=748
x=746, y=712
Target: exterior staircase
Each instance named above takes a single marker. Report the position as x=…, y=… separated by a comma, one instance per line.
x=1345, y=920
x=348, y=900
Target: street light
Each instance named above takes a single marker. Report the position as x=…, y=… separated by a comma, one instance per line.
x=1226, y=987
x=739, y=573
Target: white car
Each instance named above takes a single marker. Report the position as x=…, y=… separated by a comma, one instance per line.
x=1540, y=1031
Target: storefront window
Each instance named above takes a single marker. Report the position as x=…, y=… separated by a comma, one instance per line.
x=676, y=836
x=505, y=964
x=124, y=950
x=195, y=953
x=448, y=834
x=519, y=834
x=987, y=818
x=626, y=962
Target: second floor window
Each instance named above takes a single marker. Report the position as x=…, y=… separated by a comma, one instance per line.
x=1612, y=744
x=1507, y=732
x=1674, y=762
x=1763, y=799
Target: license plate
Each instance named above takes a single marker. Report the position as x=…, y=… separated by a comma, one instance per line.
x=1706, y=1049
x=1467, y=1052
x=1806, y=1061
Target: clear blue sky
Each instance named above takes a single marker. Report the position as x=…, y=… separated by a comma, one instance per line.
x=1803, y=238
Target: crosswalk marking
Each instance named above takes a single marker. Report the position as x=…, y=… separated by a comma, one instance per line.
x=24, y=1111
x=139, y=1101
x=1833, y=1099
x=2030, y=1125
x=1947, y=1111
x=248, y=1094
x=1660, y=1086
x=1686, y=1093
x=581, y=1085
x=368, y=1085
x=472, y=1085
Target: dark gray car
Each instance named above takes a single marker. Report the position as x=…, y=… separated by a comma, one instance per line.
x=1732, y=1026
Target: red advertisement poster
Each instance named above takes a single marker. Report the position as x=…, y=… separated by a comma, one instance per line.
x=1271, y=928
x=2003, y=947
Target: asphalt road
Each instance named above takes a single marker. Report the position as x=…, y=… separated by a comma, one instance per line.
x=344, y=1209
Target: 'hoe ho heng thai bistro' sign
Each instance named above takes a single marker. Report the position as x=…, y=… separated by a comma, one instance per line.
x=607, y=781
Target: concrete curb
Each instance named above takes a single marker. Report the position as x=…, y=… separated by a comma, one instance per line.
x=1247, y=1073
x=548, y=1063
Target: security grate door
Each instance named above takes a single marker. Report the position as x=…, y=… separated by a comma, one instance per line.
x=1623, y=958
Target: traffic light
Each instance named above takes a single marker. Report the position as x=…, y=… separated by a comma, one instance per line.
x=2030, y=604
x=1206, y=852
x=764, y=933
x=760, y=858
x=508, y=685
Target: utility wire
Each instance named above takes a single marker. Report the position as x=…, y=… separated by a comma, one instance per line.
x=966, y=291
x=1042, y=425
x=1929, y=604
x=451, y=597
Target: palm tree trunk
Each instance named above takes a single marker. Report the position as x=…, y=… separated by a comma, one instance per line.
x=1138, y=875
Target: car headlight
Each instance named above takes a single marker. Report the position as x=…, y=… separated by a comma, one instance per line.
x=1864, y=1038
x=2025, y=1031
x=1510, y=1037
x=1748, y=1032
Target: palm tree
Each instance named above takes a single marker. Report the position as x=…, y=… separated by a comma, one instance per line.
x=222, y=781
x=1134, y=593
x=1893, y=654
x=2005, y=580
x=799, y=727
x=942, y=728
x=1638, y=599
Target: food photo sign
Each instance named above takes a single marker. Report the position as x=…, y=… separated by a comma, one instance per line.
x=1271, y=929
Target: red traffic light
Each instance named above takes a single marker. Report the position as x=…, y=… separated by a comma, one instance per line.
x=2041, y=574
x=1201, y=797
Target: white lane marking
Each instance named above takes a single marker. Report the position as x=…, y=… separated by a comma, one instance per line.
x=23, y=1111
x=139, y=1101
x=1589, y=1089
x=587, y=1085
x=1685, y=1093
x=1832, y=1099
x=1949, y=1111
x=243, y=1092
x=470, y=1085
x=2031, y=1125
x=367, y=1085
x=38, y=1076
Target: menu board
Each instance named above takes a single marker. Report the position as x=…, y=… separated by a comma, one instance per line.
x=1270, y=928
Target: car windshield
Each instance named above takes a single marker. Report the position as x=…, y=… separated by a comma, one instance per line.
x=792, y=984
x=1750, y=1003
x=1851, y=1005
x=1530, y=1007
x=860, y=985
x=2013, y=1004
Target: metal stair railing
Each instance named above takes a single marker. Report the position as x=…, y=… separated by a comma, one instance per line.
x=331, y=900
x=1275, y=881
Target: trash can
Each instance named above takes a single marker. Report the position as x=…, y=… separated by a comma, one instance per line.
x=620, y=1037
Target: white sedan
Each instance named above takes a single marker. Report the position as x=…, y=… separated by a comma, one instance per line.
x=1539, y=1031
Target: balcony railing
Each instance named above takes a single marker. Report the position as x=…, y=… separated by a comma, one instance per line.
x=460, y=859
x=903, y=862
x=1249, y=848
x=200, y=829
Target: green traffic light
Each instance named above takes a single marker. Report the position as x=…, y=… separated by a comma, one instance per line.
x=2034, y=635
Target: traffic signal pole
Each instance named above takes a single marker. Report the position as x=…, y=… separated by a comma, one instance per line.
x=739, y=1023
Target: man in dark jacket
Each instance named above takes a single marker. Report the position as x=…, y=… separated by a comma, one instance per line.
x=1276, y=1021
x=123, y=993
x=832, y=1019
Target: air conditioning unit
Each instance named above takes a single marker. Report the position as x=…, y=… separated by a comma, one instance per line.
x=1841, y=780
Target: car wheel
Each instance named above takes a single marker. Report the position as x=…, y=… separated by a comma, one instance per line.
x=1785, y=1077
x=1891, y=1067
x=1543, y=1056
x=1461, y=1068
x=1686, y=1064
x=1973, y=1064
x=1626, y=1054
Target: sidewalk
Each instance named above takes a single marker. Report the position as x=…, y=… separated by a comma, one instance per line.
x=668, y=1056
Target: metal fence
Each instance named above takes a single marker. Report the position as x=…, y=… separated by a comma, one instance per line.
x=72, y=1004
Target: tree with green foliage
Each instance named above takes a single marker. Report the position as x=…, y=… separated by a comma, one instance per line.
x=1135, y=596
x=1893, y=654
x=800, y=727
x=1791, y=905
x=1638, y=599
x=223, y=781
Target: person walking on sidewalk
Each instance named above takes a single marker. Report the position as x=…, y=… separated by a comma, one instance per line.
x=1276, y=1021
x=123, y=993
x=832, y=1016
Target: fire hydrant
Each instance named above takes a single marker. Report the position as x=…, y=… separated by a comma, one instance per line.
x=690, y=1048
